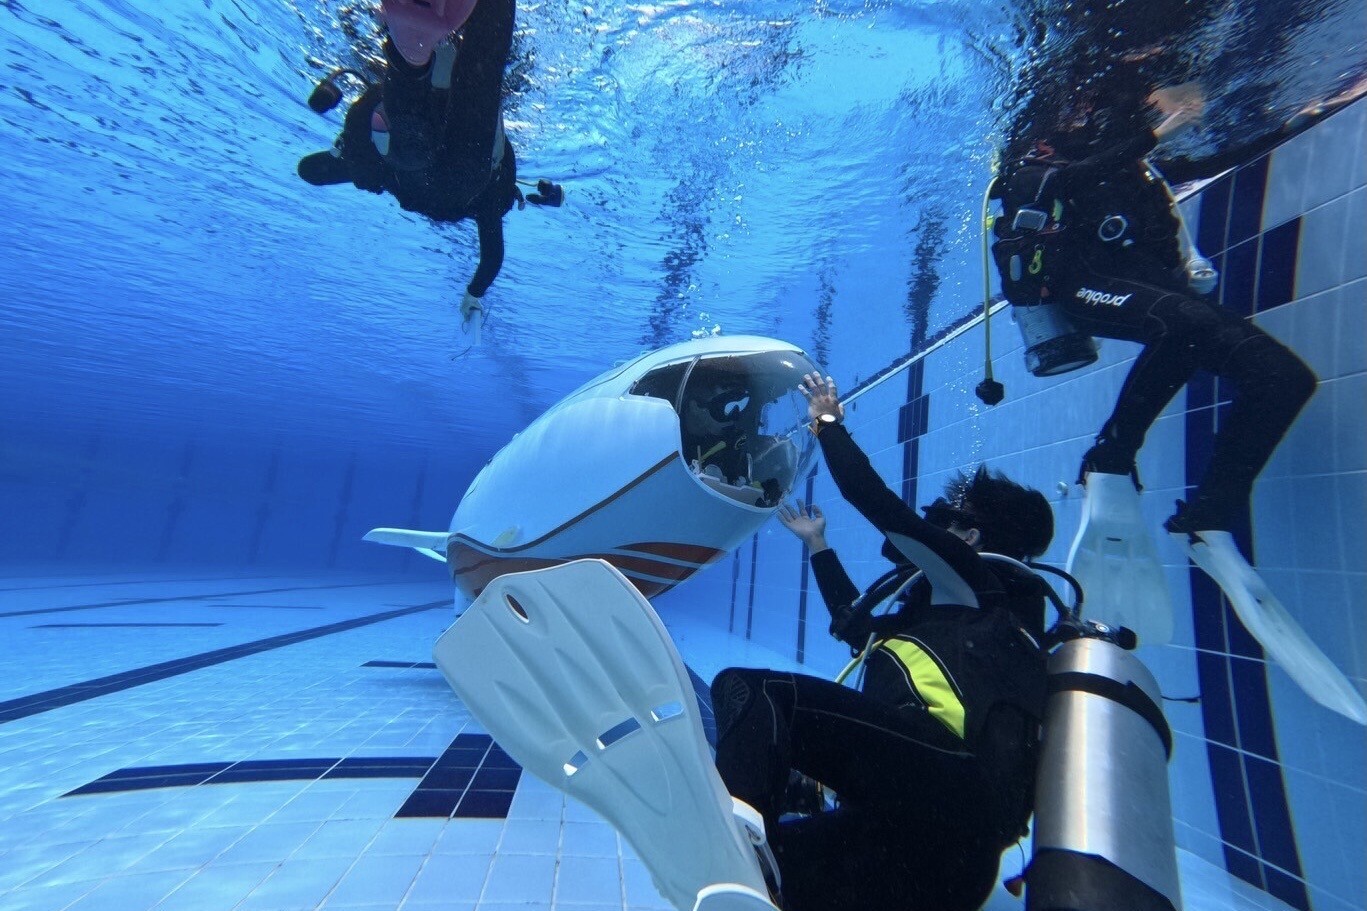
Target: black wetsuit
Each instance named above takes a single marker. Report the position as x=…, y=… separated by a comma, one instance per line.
x=1135, y=288
x=448, y=158
x=933, y=760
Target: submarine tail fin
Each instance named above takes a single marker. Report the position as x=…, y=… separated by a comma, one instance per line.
x=428, y=543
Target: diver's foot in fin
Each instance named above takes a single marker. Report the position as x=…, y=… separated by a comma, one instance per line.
x=1199, y=514
x=1107, y=458
x=1216, y=553
x=324, y=169
x=1114, y=559
x=752, y=826
x=574, y=675
x=731, y=897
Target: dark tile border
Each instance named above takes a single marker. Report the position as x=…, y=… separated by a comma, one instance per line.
x=473, y=779
x=36, y=704
x=212, y=596
x=112, y=625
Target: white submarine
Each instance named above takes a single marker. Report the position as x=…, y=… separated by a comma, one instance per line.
x=659, y=466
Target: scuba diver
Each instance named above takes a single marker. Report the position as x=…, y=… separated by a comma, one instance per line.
x=1091, y=243
x=431, y=132
x=1089, y=224
x=934, y=758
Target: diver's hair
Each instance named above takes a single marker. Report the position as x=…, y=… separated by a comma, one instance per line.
x=1014, y=520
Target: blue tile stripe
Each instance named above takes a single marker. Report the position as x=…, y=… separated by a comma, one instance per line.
x=186, y=775
x=1257, y=273
x=211, y=596
x=473, y=778
x=735, y=587
x=1277, y=265
x=704, y=694
x=401, y=664
x=913, y=422
x=750, y=606
x=46, y=701
x=115, y=625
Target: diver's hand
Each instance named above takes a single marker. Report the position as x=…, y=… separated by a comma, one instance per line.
x=821, y=397
x=469, y=306
x=1181, y=106
x=807, y=523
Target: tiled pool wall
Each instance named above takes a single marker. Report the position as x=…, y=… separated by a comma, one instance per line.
x=104, y=498
x=1266, y=782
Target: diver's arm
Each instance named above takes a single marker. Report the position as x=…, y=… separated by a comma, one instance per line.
x=490, y=252
x=863, y=489
x=1183, y=170
x=837, y=589
x=1108, y=159
x=840, y=595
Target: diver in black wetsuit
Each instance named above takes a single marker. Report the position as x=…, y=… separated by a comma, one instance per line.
x=1100, y=238
x=934, y=759
x=431, y=134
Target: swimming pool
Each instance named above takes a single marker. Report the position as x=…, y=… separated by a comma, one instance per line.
x=217, y=379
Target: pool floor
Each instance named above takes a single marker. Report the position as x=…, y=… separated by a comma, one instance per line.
x=211, y=741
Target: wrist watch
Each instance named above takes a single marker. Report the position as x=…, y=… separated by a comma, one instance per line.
x=826, y=419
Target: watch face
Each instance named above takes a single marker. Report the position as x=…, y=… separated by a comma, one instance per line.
x=827, y=419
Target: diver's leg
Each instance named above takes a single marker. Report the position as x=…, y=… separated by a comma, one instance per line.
x=889, y=858
x=1271, y=386
x=835, y=861
x=1181, y=334
x=475, y=99
x=1165, y=323
x=914, y=828
x=769, y=722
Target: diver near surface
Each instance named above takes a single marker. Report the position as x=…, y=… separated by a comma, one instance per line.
x=431, y=132
x=1094, y=221
x=1091, y=242
x=934, y=759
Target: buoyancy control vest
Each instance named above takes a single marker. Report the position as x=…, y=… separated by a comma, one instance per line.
x=1054, y=210
x=1032, y=234
x=1036, y=243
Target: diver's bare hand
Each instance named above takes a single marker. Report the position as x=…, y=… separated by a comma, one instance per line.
x=806, y=522
x=822, y=397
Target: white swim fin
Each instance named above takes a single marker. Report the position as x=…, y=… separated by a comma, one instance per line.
x=575, y=676
x=1114, y=558
x=1268, y=621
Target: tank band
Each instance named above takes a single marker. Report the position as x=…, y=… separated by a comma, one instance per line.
x=1127, y=694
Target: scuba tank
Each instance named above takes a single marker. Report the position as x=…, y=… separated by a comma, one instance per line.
x=1103, y=815
x=1053, y=345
